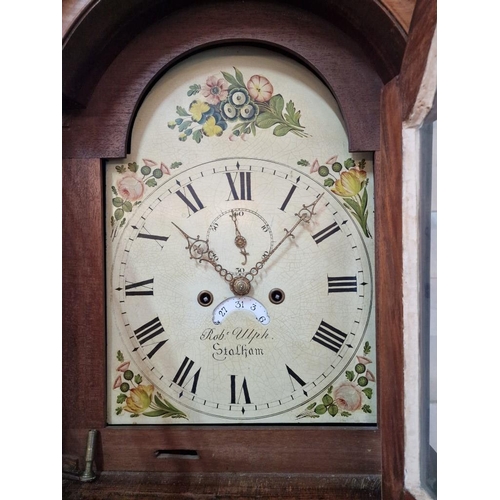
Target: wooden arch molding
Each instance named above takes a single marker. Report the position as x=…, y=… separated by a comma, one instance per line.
x=104, y=85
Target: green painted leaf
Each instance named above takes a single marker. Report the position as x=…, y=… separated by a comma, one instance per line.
x=154, y=413
x=349, y=375
x=121, y=398
x=327, y=400
x=119, y=213
x=311, y=406
x=239, y=77
x=138, y=379
x=367, y=348
x=292, y=116
x=180, y=415
x=281, y=130
x=303, y=163
x=357, y=217
x=355, y=206
x=184, y=125
x=329, y=182
x=320, y=409
x=349, y=163
x=231, y=79
x=193, y=89
x=160, y=402
x=198, y=136
x=345, y=414
x=117, y=202
x=277, y=104
x=176, y=164
x=266, y=120
x=369, y=392
x=181, y=111
x=364, y=201
x=366, y=408
x=127, y=206
x=133, y=167
x=151, y=183
x=119, y=356
x=333, y=410
x=290, y=109
x=239, y=127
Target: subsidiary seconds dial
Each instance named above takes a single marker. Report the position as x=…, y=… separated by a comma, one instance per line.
x=256, y=357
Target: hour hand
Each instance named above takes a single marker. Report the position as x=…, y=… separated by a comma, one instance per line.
x=198, y=248
x=200, y=251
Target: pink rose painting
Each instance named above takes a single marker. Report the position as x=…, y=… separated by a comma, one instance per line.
x=130, y=187
x=348, y=396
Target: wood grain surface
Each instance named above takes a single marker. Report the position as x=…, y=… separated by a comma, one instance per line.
x=94, y=39
x=111, y=60
x=151, y=486
x=389, y=265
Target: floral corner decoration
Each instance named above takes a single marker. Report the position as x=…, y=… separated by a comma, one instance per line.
x=131, y=186
x=349, y=181
x=137, y=398
x=348, y=396
x=229, y=101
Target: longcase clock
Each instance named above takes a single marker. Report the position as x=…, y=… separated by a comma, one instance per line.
x=221, y=278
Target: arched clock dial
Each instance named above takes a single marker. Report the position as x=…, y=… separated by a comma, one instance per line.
x=216, y=356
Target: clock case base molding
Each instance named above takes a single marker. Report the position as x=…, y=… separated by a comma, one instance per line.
x=151, y=485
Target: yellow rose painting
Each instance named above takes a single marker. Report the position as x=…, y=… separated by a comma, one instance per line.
x=348, y=181
x=137, y=398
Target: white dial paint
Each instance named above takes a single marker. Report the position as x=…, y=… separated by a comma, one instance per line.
x=257, y=365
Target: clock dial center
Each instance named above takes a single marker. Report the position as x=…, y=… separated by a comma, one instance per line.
x=240, y=285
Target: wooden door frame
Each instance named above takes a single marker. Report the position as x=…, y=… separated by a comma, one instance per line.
x=83, y=260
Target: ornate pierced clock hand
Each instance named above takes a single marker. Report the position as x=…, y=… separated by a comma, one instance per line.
x=305, y=214
x=239, y=240
x=241, y=285
x=200, y=251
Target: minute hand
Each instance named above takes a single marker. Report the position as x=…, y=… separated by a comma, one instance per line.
x=305, y=214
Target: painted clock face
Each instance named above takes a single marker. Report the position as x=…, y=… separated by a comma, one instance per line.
x=240, y=289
